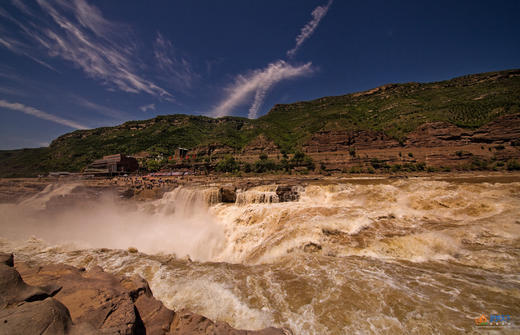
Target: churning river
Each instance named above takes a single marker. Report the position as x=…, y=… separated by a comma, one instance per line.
x=382, y=256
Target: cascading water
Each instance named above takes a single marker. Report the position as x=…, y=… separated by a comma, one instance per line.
x=40, y=200
x=178, y=224
x=258, y=195
x=184, y=202
x=384, y=257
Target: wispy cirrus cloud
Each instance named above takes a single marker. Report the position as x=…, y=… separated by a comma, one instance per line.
x=258, y=82
x=147, y=107
x=175, y=69
x=103, y=110
x=11, y=91
x=21, y=6
x=21, y=49
x=40, y=114
x=317, y=14
x=77, y=32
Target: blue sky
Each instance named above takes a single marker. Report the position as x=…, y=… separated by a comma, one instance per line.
x=71, y=64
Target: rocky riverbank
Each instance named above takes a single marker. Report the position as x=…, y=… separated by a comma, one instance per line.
x=286, y=187
x=62, y=299
x=399, y=254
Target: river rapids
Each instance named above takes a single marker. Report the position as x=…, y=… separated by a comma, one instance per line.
x=381, y=256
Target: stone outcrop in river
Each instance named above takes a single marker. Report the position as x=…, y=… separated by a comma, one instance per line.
x=62, y=299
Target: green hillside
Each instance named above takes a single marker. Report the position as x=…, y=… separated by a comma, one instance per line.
x=398, y=109
x=395, y=109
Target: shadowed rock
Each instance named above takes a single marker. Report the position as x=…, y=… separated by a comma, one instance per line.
x=186, y=322
x=94, y=297
x=228, y=193
x=47, y=316
x=7, y=259
x=92, y=302
x=15, y=290
x=26, y=309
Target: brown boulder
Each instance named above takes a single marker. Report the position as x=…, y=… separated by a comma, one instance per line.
x=25, y=309
x=94, y=296
x=228, y=194
x=47, y=316
x=7, y=259
x=155, y=317
x=288, y=193
x=14, y=290
x=101, y=302
x=188, y=323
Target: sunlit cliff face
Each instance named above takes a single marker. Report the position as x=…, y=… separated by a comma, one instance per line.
x=407, y=256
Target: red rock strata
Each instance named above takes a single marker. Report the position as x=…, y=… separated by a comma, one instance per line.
x=435, y=143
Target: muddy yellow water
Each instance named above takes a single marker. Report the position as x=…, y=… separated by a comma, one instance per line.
x=416, y=256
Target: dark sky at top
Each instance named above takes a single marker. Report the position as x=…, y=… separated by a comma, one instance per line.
x=70, y=64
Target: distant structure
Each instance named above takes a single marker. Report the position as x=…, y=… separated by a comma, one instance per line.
x=113, y=164
x=181, y=153
x=58, y=174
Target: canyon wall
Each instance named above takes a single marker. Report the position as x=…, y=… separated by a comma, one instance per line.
x=438, y=144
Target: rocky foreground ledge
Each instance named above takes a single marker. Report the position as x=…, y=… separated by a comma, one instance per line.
x=62, y=299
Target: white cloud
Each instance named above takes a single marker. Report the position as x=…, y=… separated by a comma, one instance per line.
x=147, y=107
x=91, y=18
x=40, y=114
x=21, y=6
x=104, y=110
x=77, y=32
x=21, y=49
x=174, y=68
x=258, y=82
x=317, y=14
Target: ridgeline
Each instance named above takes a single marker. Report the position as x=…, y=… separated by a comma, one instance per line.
x=391, y=113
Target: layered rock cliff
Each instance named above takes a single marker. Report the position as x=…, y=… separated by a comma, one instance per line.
x=437, y=144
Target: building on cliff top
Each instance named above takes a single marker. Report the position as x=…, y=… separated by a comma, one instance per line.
x=113, y=164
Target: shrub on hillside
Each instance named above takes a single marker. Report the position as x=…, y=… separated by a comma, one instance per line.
x=247, y=168
x=265, y=165
x=153, y=165
x=513, y=165
x=302, y=160
x=228, y=164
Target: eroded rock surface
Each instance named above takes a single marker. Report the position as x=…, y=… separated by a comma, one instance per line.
x=342, y=140
x=26, y=309
x=62, y=299
x=434, y=143
x=261, y=145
